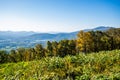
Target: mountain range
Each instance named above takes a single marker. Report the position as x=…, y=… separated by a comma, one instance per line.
x=45, y=36
x=10, y=39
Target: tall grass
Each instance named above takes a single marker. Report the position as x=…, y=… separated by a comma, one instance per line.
x=103, y=65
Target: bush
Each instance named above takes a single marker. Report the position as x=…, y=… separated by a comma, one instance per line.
x=102, y=65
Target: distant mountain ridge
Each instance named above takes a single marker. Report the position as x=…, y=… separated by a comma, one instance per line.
x=100, y=28
x=60, y=36
x=45, y=36
x=16, y=34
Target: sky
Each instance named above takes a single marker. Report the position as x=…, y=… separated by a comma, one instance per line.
x=58, y=15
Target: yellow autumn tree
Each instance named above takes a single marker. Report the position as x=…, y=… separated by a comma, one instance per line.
x=84, y=42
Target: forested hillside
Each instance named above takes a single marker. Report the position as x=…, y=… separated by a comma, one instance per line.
x=93, y=55
x=91, y=41
x=12, y=40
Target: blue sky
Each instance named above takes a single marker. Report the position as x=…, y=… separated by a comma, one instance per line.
x=58, y=15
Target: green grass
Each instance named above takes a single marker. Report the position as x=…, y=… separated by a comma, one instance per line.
x=103, y=65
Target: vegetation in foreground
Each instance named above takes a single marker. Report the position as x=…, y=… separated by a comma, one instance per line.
x=104, y=65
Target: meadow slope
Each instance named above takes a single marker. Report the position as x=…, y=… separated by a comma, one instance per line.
x=104, y=65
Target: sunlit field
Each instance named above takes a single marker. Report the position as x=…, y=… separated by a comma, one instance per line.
x=104, y=65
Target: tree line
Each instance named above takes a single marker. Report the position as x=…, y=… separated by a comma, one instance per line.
x=92, y=41
x=61, y=49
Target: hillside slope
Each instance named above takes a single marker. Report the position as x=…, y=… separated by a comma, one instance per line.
x=104, y=65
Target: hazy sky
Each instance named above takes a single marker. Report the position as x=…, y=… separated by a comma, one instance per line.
x=58, y=15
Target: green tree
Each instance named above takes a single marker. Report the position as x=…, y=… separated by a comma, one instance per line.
x=20, y=54
x=55, y=48
x=12, y=56
x=40, y=52
x=72, y=47
x=49, y=48
x=105, y=42
x=32, y=53
x=66, y=47
x=3, y=56
x=63, y=48
x=114, y=34
x=27, y=55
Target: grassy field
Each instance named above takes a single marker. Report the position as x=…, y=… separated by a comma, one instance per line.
x=104, y=65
